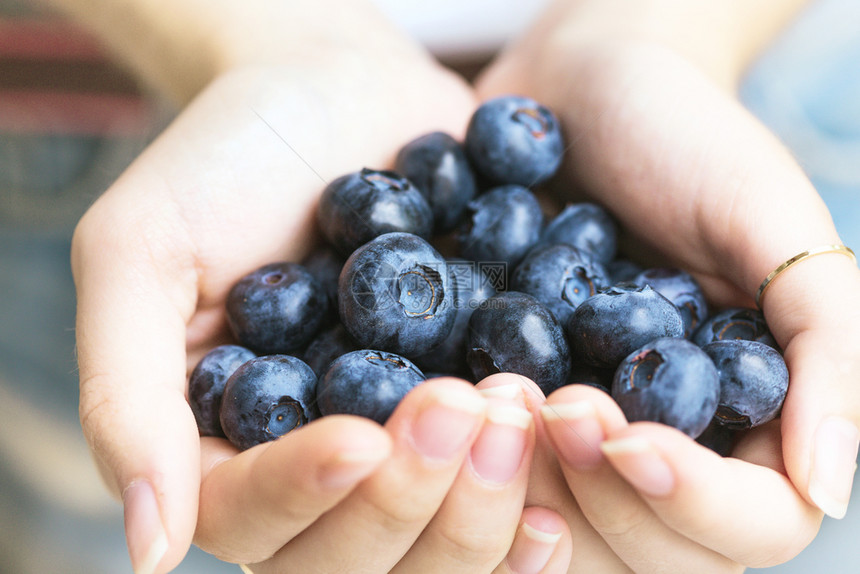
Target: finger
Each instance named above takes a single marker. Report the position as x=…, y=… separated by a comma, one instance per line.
x=131, y=354
x=704, y=496
x=578, y=419
x=473, y=529
x=547, y=486
x=253, y=502
x=433, y=429
x=814, y=310
x=542, y=545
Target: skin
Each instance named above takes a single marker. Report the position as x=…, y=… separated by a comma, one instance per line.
x=267, y=122
x=729, y=205
x=260, y=141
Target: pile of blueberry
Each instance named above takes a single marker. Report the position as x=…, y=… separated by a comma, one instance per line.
x=379, y=309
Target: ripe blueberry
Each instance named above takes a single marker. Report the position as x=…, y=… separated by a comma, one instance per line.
x=585, y=374
x=622, y=271
x=367, y=383
x=396, y=295
x=266, y=398
x=560, y=276
x=607, y=327
x=734, y=323
x=206, y=385
x=680, y=288
x=753, y=382
x=513, y=139
x=328, y=346
x=719, y=438
x=276, y=309
x=514, y=333
x=357, y=207
x=325, y=264
x=473, y=288
x=670, y=381
x=501, y=226
x=436, y=163
x=587, y=226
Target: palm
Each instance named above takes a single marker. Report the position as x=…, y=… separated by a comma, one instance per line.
x=229, y=186
x=256, y=150
x=679, y=163
x=694, y=182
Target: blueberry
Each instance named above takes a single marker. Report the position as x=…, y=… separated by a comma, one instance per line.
x=501, y=226
x=560, y=276
x=753, y=382
x=584, y=374
x=206, y=385
x=514, y=333
x=734, y=323
x=357, y=207
x=276, y=309
x=719, y=438
x=266, y=398
x=436, y=163
x=622, y=271
x=328, y=346
x=670, y=381
x=473, y=288
x=680, y=288
x=607, y=327
x=513, y=139
x=396, y=294
x=324, y=263
x=586, y=226
x=367, y=383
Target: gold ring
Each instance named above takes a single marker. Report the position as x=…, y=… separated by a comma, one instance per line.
x=797, y=259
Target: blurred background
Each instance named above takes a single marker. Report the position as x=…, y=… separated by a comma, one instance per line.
x=70, y=122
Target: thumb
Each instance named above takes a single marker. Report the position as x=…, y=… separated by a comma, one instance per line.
x=813, y=309
x=131, y=353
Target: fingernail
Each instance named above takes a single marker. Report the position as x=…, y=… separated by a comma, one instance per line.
x=510, y=391
x=531, y=550
x=833, y=465
x=498, y=451
x=636, y=459
x=447, y=423
x=349, y=467
x=576, y=433
x=145, y=535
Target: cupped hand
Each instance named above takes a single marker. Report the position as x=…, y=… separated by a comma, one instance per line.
x=229, y=186
x=695, y=181
x=645, y=497
x=443, y=492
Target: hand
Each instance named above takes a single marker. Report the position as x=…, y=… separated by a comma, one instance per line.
x=447, y=495
x=646, y=498
x=696, y=182
x=229, y=186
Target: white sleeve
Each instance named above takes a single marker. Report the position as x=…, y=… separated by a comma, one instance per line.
x=462, y=28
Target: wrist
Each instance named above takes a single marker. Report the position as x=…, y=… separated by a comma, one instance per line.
x=720, y=37
x=178, y=48
x=273, y=32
